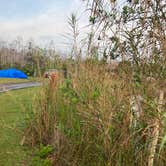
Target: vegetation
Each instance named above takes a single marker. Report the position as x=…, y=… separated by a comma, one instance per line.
x=97, y=116
x=88, y=118
x=29, y=58
x=99, y=113
x=13, y=115
x=11, y=80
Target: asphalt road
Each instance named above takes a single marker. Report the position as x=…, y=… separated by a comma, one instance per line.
x=8, y=87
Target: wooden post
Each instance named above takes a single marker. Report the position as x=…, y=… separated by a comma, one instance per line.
x=136, y=109
x=156, y=131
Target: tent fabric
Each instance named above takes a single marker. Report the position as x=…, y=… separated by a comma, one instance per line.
x=12, y=73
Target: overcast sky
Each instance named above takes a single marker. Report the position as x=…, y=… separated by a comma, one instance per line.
x=42, y=20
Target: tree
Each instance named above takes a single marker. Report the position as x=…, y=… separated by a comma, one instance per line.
x=131, y=29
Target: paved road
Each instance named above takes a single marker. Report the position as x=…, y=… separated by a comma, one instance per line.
x=8, y=87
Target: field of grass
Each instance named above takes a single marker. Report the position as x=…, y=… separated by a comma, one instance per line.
x=12, y=80
x=14, y=108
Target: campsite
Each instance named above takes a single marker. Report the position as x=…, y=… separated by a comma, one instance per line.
x=83, y=83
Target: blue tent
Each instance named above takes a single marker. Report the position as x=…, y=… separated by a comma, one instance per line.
x=12, y=73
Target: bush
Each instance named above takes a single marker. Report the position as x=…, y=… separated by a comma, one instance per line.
x=28, y=69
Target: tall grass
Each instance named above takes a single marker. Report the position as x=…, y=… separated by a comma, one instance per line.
x=88, y=118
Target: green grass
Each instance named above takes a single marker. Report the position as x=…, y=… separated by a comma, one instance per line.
x=14, y=108
x=13, y=80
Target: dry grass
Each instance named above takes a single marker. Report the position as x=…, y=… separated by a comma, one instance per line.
x=87, y=118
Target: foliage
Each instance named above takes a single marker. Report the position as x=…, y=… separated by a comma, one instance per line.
x=41, y=156
x=45, y=151
x=28, y=69
x=31, y=59
x=132, y=30
x=87, y=118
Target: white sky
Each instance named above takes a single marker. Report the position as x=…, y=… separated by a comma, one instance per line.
x=43, y=25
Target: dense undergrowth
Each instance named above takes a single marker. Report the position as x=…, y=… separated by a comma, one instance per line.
x=87, y=119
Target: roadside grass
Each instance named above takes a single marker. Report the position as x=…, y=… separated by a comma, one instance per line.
x=14, y=106
x=12, y=80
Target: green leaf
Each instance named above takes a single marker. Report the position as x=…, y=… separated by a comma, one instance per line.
x=162, y=143
x=45, y=151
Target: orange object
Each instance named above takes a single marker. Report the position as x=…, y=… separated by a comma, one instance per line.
x=53, y=77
